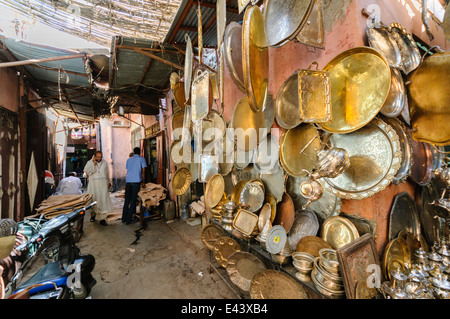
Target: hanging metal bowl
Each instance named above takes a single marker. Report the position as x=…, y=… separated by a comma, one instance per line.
x=181, y=181
x=255, y=54
x=233, y=53
x=396, y=99
x=359, y=79
x=408, y=48
x=287, y=112
x=375, y=157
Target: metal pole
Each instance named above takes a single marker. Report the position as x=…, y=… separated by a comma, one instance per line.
x=34, y=61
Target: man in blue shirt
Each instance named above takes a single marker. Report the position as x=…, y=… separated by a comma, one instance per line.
x=135, y=178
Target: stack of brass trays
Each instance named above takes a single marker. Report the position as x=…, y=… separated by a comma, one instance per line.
x=304, y=263
x=327, y=282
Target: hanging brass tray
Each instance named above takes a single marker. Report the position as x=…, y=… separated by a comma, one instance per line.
x=223, y=248
x=338, y=231
x=177, y=154
x=181, y=181
x=403, y=216
x=255, y=54
x=328, y=205
x=200, y=96
x=287, y=112
x=383, y=41
x=188, y=58
x=275, y=183
x=396, y=255
x=375, y=157
x=242, y=267
x=246, y=125
x=284, y=19
x=396, y=99
x=298, y=149
x=174, y=79
x=406, y=145
x=214, y=190
x=359, y=79
x=285, y=213
x=422, y=166
x=408, y=48
x=210, y=234
x=274, y=284
x=233, y=53
x=179, y=95
x=312, y=245
x=429, y=107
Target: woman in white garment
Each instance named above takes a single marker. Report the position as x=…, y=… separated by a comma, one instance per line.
x=97, y=172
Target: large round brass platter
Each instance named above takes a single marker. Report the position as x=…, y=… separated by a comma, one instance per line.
x=274, y=284
x=242, y=267
x=233, y=53
x=311, y=245
x=214, y=190
x=255, y=54
x=284, y=19
x=181, y=181
x=298, y=149
x=360, y=79
x=287, y=112
x=246, y=125
x=338, y=231
x=177, y=154
x=223, y=248
x=375, y=157
x=285, y=213
x=210, y=234
x=429, y=94
x=396, y=255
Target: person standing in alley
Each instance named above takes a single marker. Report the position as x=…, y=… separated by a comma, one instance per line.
x=99, y=183
x=136, y=166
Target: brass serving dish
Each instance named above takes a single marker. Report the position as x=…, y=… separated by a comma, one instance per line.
x=177, y=154
x=298, y=149
x=375, y=157
x=408, y=48
x=314, y=96
x=285, y=213
x=246, y=125
x=359, y=79
x=274, y=284
x=242, y=267
x=233, y=53
x=311, y=245
x=287, y=112
x=210, y=234
x=422, y=166
x=313, y=32
x=223, y=248
x=396, y=99
x=284, y=19
x=338, y=231
x=188, y=58
x=383, y=41
x=245, y=221
x=396, y=255
x=181, y=181
x=200, y=96
x=214, y=190
x=428, y=93
x=403, y=216
x=275, y=183
x=255, y=54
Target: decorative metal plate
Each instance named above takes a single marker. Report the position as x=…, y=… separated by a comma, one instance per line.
x=252, y=196
x=396, y=99
x=245, y=221
x=287, y=112
x=338, y=231
x=223, y=248
x=429, y=102
x=275, y=183
x=311, y=245
x=245, y=174
x=375, y=157
x=422, y=166
x=285, y=213
x=181, y=181
x=276, y=239
x=233, y=53
x=284, y=19
x=274, y=284
x=255, y=54
x=305, y=224
x=236, y=193
x=179, y=95
x=359, y=79
x=188, y=67
x=214, y=190
x=396, y=255
x=213, y=126
x=242, y=267
x=408, y=48
x=383, y=41
x=403, y=216
x=200, y=96
x=210, y=234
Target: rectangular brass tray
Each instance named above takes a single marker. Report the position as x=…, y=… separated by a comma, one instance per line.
x=245, y=221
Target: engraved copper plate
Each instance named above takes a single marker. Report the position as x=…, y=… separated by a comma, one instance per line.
x=274, y=284
x=408, y=48
x=359, y=79
x=284, y=19
x=242, y=267
x=210, y=234
x=314, y=96
x=311, y=245
x=338, y=231
x=233, y=53
x=181, y=181
x=285, y=213
x=383, y=41
x=305, y=224
x=255, y=54
x=403, y=216
x=223, y=248
x=375, y=157
x=298, y=149
x=287, y=112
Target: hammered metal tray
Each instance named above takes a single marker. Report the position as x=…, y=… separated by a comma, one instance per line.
x=245, y=221
x=403, y=216
x=248, y=173
x=274, y=284
x=305, y=224
x=360, y=79
x=223, y=248
x=242, y=267
x=375, y=157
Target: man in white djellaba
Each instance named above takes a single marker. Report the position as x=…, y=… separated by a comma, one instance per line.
x=97, y=172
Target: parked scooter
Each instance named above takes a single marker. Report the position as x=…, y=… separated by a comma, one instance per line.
x=66, y=274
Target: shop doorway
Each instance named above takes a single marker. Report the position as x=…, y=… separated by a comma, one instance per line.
x=154, y=155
